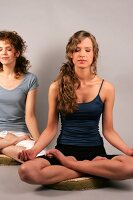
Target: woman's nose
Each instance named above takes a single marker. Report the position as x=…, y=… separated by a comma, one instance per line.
x=4, y=51
x=82, y=53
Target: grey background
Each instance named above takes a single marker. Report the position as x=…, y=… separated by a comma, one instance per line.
x=46, y=26
x=14, y=189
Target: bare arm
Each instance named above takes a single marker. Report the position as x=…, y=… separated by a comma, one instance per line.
x=51, y=129
x=30, y=116
x=108, y=131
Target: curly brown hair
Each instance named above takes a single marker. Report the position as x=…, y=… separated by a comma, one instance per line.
x=22, y=64
x=67, y=79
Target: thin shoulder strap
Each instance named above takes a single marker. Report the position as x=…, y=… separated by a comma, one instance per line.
x=101, y=86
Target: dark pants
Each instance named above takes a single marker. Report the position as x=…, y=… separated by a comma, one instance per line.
x=79, y=152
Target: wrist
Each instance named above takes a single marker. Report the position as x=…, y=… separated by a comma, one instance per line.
x=35, y=150
x=126, y=151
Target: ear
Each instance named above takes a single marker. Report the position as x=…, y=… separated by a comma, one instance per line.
x=17, y=54
x=70, y=55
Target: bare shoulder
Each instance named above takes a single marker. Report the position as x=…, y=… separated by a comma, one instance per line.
x=54, y=86
x=53, y=90
x=108, y=87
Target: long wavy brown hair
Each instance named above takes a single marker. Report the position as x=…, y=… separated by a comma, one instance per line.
x=67, y=79
x=22, y=64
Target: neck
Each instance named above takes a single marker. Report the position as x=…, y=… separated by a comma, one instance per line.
x=85, y=74
x=9, y=67
x=7, y=72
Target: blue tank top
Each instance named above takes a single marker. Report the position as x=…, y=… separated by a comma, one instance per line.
x=81, y=128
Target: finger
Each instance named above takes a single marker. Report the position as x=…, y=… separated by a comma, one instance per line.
x=25, y=156
x=19, y=155
x=49, y=155
x=51, y=151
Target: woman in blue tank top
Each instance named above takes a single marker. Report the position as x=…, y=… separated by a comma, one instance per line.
x=79, y=96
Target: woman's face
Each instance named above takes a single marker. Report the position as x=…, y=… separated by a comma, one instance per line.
x=8, y=53
x=83, y=55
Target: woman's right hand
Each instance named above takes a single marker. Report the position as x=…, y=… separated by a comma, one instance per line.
x=26, y=155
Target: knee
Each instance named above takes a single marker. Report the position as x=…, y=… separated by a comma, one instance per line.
x=23, y=172
x=31, y=171
x=127, y=170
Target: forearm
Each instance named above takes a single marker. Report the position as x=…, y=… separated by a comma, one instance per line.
x=114, y=139
x=44, y=140
x=32, y=125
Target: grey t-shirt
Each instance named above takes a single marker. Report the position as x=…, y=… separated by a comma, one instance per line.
x=12, y=104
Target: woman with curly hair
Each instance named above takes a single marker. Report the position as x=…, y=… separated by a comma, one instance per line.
x=79, y=96
x=18, y=89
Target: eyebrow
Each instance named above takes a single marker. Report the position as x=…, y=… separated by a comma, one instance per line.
x=8, y=46
x=90, y=47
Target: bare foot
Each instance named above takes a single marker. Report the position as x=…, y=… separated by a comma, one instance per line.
x=13, y=139
x=21, y=138
x=99, y=158
x=71, y=158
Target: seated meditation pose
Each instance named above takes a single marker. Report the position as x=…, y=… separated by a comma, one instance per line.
x=79, y=96
x=18, y=89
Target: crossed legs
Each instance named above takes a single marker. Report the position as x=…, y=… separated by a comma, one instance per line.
x=39, y=171
x=11, y=145
x=118, y=168
x=8, y=145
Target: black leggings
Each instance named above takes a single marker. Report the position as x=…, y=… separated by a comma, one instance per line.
x=79, y=152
